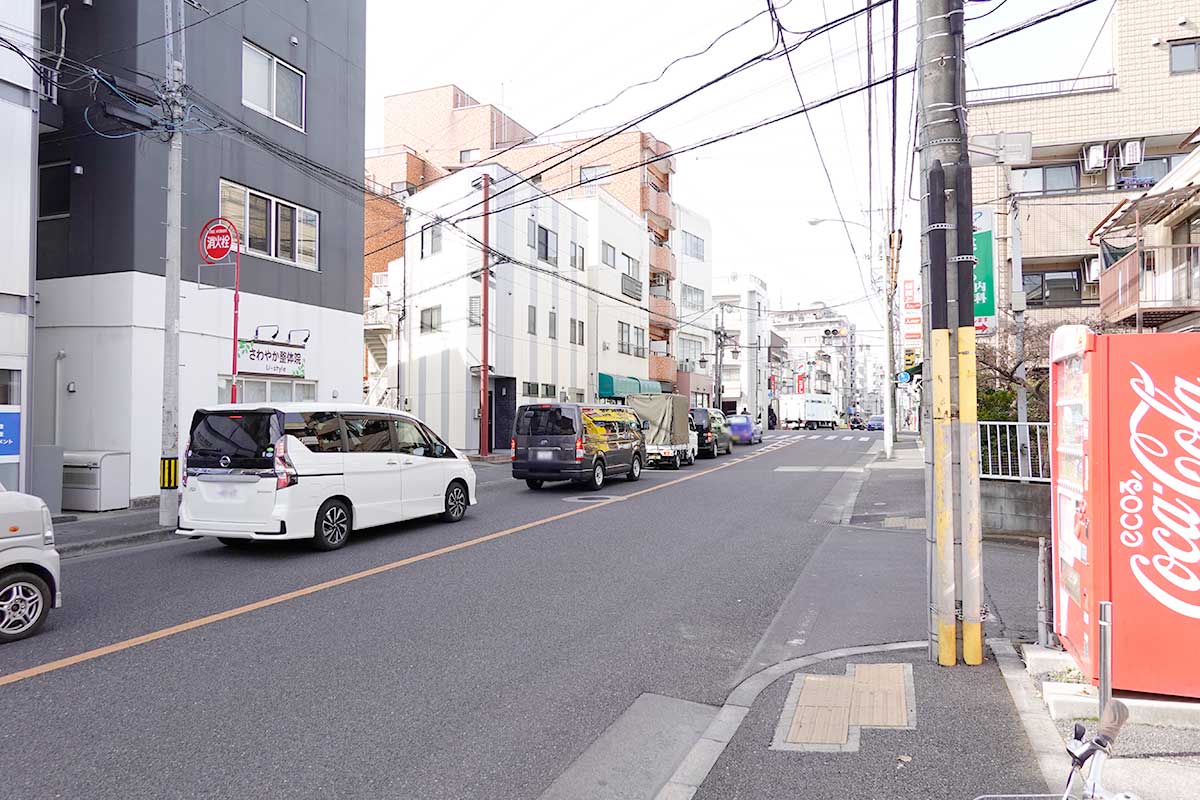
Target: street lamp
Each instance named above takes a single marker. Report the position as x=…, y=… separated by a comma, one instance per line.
x=820, y=220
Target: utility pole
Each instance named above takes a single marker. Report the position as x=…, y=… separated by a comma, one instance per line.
x=484, y=444
x=889, y=356
x=168, y=501
x=1017, y=293
x=720, y=343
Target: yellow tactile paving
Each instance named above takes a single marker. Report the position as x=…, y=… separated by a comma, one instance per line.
x=819, y=725
x=826, y=690
x=878, y=698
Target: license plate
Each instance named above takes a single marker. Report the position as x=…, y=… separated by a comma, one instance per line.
x=226, y=490
x=543, y=455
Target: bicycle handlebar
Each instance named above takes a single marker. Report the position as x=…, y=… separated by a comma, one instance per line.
x=1114, y=717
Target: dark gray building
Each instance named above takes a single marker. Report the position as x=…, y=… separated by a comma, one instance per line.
x=275, y=92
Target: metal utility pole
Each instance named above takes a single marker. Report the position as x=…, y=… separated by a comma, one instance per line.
x=168, y=500
x=1017, y=293
x=484, y=443
x=720, y=343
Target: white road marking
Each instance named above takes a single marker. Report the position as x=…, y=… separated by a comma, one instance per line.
x=830, y=438
x=864, y=438
x=847, y=438
x=818, y=469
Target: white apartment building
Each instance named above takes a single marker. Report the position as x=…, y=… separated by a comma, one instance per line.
x=821, y=346
x=539, y=309
x=744, y=314
x=1096, y=140
x=693, y=246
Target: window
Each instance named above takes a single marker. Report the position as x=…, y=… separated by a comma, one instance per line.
x=580, y=337
x=632, y=265
x=320, y=431
x=553, y=325
x=691, y=298
x=474, y=312
x=410, y=439
x=467, y=156
x=1057, y=288
x=529, y=389
x=548, y=390
x=547, y=245
x=624, y=338
x=693, y=246
x=272, y=87
x=531, y=232
x=10, y=387
x=639, y=342
x=577, y=256
x=271, y=227
x=54, y=190
x=689, y=351
x=533, y=320
x=431, y=319
x=262, y=389
x=571, y=333
x=1150, y=171
x=368, y=434
x=431, y=239
x=1055, y=178
x=597, y=173
x=545, y=421
x=1185, y=56
x=608, y=254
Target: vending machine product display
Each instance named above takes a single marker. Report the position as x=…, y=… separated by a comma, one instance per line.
x=1125, y=503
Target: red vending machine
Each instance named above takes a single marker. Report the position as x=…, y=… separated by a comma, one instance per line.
x=1125, y=503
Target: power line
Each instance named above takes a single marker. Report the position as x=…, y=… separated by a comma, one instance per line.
x=180, y=29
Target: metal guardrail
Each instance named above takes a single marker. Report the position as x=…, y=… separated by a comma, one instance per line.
x=1000, y=445
x=1024, y=91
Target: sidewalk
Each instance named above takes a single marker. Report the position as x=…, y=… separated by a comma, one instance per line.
x=95, y=531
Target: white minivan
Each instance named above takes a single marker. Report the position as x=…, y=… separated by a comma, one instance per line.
x=315, y=471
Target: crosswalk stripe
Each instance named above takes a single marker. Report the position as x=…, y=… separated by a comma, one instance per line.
x=864, y=438
x=830, y=438
x=847, y=438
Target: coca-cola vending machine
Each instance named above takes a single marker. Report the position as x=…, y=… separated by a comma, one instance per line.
x=1125, y=479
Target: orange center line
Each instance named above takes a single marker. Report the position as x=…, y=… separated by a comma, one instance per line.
x=200, y=622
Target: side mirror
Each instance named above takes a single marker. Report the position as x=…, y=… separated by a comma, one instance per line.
x=645, y=425
x=439, y=451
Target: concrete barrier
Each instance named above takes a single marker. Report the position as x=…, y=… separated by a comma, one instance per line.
x=1013, y=507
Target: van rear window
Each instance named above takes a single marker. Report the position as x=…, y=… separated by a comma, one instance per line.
x=552, y=421
x=235, y=434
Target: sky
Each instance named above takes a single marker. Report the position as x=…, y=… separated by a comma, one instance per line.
x=544, y=60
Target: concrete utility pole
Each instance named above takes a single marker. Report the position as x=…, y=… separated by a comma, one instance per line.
x=719, y=340
x=484, y=444
x=168, y=501
x=889, y=355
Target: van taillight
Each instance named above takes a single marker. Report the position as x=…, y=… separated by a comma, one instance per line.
x=579, y=449
x=183, y=465
x=512, y=445
x=285, y=470
x=708, y=436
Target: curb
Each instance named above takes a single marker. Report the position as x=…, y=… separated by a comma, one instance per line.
x=691, y=772
x=71, y=549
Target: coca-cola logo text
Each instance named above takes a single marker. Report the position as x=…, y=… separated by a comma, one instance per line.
x=1164, y=493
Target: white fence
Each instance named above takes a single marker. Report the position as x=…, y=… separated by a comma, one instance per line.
x=1003, y=445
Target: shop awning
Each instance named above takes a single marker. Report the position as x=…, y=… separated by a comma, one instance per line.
x=623, y=386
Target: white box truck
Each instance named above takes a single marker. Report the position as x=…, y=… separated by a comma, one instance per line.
x=809, y=411
x=670, y=440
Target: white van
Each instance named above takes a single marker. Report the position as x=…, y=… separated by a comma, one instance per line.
x=315, y=471
x=29, y=578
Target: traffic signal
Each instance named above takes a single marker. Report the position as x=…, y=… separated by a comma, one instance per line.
x=835, y=331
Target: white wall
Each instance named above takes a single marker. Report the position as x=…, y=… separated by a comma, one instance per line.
x=111, y=329
x=697, y=273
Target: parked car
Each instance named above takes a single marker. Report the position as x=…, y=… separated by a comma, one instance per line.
x=712, y=432
x=743, y=429
x=875, y=422
x=315, y=471
x=857, y=424
x=573, y=442
x=29, y=575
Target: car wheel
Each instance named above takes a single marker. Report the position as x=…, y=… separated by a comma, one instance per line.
x=333, y=525
x=533, y=483
x=635, y=469
x=456, y=502
x=25, y=601
x=597, y=478
x=230, y=541
x=676, y=462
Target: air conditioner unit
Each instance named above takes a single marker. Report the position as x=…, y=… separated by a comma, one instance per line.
x=1093, y=158
x=1131, y=153
x=1091, y=269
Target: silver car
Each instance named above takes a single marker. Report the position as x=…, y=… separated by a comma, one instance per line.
x=29, y=574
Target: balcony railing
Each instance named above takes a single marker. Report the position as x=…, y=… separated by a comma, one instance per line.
x=1026, y=91
x=631, y=286
x=379, y=280
x=1000, y=451
x=1152, y=285
x=662, y=259
x=662, y=367
x=658, y=204
x=662, y=312
x=48, y=81
x=377, y=318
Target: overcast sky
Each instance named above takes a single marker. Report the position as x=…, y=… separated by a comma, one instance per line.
x=544, y=60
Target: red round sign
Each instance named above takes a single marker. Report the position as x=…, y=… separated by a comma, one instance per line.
x=216, y=242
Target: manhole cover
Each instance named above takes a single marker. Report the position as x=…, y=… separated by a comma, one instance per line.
x=592, y=498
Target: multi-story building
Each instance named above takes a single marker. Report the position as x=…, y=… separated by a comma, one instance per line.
x=1096, y=140
x=274, y=69
x=538, y=307
x=22, y=93
x=744, y=316
x=451, y=129
x=821, y=346
x=693, y=245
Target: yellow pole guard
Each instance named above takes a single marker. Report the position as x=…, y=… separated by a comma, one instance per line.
x=972, y=534
x=943, y=500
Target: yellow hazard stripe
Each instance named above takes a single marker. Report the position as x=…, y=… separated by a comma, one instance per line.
x=168, y=473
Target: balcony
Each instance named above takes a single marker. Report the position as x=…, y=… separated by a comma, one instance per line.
x=662, y=368
x=1058, y=225
x=662, y=313
x=631, y=287
x=658, y=206
x=656, y=148
x=1029, y=91
x=1152, y=286
x=377, y=318
x=662, y=260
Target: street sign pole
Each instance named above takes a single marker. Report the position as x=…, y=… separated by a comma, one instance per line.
x=218, y=237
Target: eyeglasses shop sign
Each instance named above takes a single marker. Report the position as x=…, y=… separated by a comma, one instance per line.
x=268, y=358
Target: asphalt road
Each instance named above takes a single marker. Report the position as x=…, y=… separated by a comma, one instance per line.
x=482, y=671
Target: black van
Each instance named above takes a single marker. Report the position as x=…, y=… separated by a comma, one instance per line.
x=574, y=442
x=712, y=432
